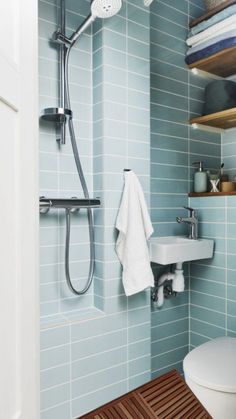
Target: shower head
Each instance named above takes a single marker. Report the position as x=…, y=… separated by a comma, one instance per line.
x=99, y=9
x=148, y=3
x=105, y=8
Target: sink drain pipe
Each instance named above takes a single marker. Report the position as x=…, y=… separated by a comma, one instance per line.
x=177, y=279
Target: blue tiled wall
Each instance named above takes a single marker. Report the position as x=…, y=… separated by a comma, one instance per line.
x=213, y=282
x=91, y=356
x=176, y=96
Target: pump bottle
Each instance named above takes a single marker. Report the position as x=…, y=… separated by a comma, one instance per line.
x=200, y=178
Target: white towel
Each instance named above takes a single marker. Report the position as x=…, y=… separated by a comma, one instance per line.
x=135, y=228
x=217, y=29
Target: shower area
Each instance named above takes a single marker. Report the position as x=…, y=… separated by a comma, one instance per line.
x=97, y=344
x=94, y=346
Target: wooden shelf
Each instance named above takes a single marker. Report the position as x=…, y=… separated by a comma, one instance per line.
x=223, y=120
x=211, y=12
x=196, y=195
x=223, y=63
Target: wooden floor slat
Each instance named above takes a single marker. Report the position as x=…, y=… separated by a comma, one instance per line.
x=166, y=397
x=156, y=392
x=176, y=406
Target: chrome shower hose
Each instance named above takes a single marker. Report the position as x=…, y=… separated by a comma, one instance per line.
x=86, y=195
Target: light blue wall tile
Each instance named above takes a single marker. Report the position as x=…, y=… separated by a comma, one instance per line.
x=54, y=337
x=139, y=380
x=55, y=356
x=197, y=340
x=138, y=316
x=140, y=365
x=206, y=329
x=208, y=301
x=200, y=313
x=139, y=332
x=169, y=358
x=104, y=378
x=98, y=344
x=55, y=396
x=60, y=412
x=84, y=404
x=55, y=376
x=174, y=328
x=208, y=287
x=97, y=326
x=139, y=349
x=166, y=315
x=98, y=362
x=170, y=343
x=169, y=12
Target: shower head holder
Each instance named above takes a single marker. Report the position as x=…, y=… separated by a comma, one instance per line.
x=56, y=115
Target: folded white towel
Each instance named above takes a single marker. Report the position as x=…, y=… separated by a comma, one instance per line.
x=217, y=29
x=212, y=41
x=135, y=228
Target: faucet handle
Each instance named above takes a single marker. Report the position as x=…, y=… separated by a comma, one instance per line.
x=193, y=212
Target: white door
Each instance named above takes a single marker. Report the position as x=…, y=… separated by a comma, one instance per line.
x=19, y=329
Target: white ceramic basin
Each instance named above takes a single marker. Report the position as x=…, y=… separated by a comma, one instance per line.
x=174, y=249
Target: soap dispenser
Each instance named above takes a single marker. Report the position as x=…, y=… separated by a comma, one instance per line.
x=200, y=178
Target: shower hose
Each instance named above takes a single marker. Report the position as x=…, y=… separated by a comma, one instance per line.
x=86, y=195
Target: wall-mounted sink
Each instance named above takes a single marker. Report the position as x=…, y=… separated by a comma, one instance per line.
x=174, y=249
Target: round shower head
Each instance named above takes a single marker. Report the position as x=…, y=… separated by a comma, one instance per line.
x=105, y=8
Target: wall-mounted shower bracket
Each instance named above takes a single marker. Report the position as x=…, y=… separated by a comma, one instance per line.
x=61, y=38
x=58, y=116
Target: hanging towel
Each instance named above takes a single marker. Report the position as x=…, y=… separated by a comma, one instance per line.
x=135, y=228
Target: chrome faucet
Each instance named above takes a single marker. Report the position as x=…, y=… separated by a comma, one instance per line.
x=192, y=221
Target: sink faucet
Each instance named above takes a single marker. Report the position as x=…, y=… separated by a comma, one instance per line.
x=192, y=221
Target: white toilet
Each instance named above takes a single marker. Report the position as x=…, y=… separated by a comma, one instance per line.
x=210, y=372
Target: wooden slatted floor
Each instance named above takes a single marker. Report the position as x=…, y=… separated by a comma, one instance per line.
x=166, y=397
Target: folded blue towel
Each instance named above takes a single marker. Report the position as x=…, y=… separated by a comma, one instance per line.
x=229, y=11
x=212, y=49
x=229, y=34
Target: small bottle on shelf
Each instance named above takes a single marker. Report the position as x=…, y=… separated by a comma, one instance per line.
x=200, y=178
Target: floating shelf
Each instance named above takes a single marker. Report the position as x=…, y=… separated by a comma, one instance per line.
x=223, y=63
x=223, y=120
x=211, y=13
x=196, y=195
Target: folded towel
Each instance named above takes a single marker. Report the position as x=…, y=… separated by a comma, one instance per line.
x=212, y=41
x=135, y=228
x=217, y=29
x=202, y=26
x=211, y=50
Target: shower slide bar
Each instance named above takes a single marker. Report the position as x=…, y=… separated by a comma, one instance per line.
x=67, y=203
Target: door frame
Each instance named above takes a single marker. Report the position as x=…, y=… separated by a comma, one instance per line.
x=28, y=211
